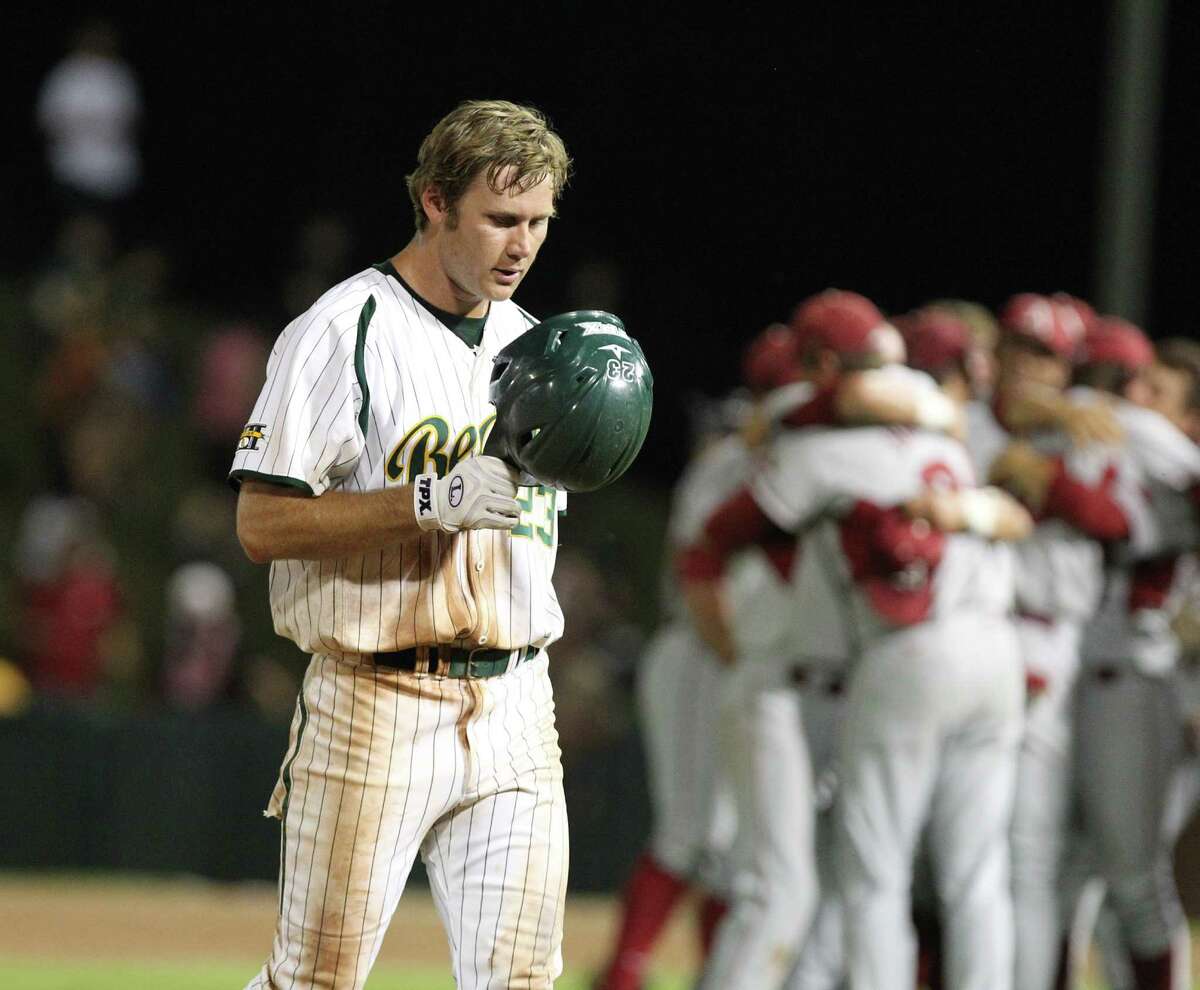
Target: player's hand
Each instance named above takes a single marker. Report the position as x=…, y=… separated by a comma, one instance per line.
x=940, y=508
x=1020, y=469
x=1093, y=422
x=479, y=493
x=988, y=512
x=756, y=429
x=707, y=607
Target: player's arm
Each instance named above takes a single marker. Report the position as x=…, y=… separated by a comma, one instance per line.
x=790, y=488
x=1031, y=408
x=735, y=526
x=988, y=512
x=275, y=522
x=1046, y=486
x=278, y=522
x=891, y=396
x=884, y=397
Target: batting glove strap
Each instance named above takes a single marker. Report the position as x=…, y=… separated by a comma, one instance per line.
x=479, y=493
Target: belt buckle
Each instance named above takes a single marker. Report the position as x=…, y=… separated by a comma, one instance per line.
x=472, y=670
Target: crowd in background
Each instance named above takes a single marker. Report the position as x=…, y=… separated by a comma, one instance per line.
x=124, y=583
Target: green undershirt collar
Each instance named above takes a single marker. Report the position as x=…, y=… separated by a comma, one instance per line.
x=468, y=329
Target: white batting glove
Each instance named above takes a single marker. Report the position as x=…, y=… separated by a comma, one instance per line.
x=479, y=493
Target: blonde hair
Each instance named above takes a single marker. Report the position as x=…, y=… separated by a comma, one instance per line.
x=982, y=325
x=487, y=136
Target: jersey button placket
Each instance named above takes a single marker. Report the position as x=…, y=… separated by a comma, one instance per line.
x=476, y=555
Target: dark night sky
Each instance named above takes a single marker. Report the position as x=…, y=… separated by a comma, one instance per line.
x=728, y=166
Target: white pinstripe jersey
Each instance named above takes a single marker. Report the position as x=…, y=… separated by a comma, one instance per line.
x=366, y=390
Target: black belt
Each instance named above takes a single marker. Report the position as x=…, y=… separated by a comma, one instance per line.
x=833, y=683
x=454, y=661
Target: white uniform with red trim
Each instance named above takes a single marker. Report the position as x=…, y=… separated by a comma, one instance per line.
x=680, y=686
x=821, y=671
x=933, y=705
x=775, y=884
x=1131, y=746
x=1059, y=574
x=367, y=390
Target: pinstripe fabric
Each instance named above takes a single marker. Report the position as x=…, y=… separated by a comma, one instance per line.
x=364, y=391
x=467, y=773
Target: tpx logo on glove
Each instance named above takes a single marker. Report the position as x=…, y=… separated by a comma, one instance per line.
x=425, y=496
x=456, y=492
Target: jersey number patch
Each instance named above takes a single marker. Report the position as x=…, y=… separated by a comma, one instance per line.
x=539, y=513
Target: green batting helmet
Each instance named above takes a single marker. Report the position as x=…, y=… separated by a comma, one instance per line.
x=573, y=397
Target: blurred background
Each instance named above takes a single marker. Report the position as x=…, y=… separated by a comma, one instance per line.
x=180, y=182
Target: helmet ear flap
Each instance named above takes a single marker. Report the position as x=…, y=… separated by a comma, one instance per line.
x=499, y=367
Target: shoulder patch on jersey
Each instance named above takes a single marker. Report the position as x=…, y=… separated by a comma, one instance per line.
x=254, y=434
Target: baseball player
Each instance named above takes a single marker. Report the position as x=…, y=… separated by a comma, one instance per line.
x=850, y=457
x=850, y=376
x=1060, y=577
x=775, y=883
x=1057, y=586
x=680, y=689
x=920, y=708
x=418, y=575
x=1130, y=741
x=889, y=399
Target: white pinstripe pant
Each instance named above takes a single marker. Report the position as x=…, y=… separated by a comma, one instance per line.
x=384, y=763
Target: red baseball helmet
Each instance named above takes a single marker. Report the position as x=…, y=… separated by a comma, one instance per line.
x=1076, y=309
x=1055, y=325
x=1112, y=340
x=848, y=324
x=771, y=359
x=935, y=338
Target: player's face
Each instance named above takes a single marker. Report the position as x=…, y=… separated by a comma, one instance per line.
x=981, y=370
x=1168, y=392
x=489, y=243
x=1020, y=364
x=957, y=387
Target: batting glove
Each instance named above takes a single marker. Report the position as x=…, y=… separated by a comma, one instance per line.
x=479, y=493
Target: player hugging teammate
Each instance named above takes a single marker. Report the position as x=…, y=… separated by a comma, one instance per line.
x=960, y=704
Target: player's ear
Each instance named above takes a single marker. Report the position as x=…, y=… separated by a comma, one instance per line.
x=434, y=205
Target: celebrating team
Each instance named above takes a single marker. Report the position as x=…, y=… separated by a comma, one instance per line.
x=928, y=609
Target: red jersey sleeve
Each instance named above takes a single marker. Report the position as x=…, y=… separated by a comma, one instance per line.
x=1093, y=510
x=736, y=524
x=820, y=410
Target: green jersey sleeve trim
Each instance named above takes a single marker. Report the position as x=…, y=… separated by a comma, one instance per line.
x=237, y=476
x=360, y=367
